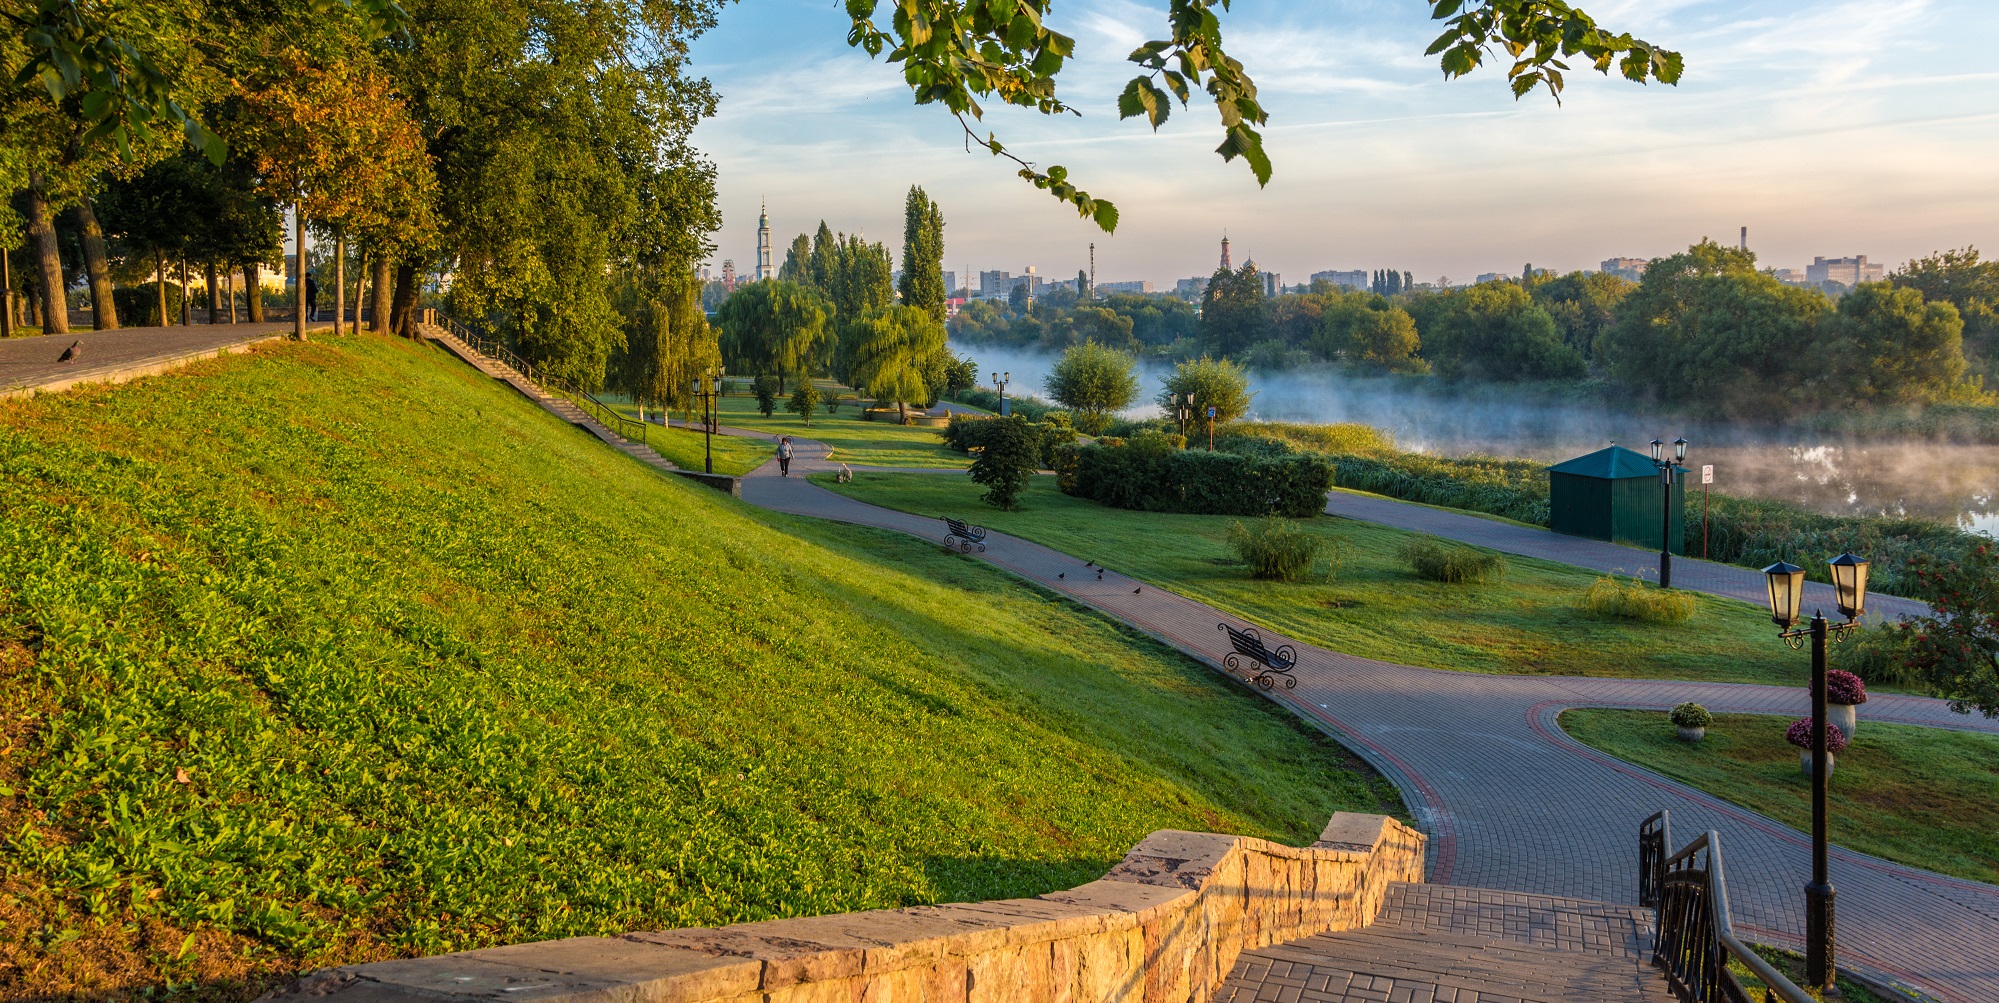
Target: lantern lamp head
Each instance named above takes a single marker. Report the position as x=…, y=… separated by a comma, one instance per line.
x=1849, y=580
x=1658, y=450
x=1787, y=592
x=1680, y=449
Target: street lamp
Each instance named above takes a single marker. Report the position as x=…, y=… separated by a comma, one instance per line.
x=1787, y=588
x=1666, y=468
x=708, y=389
x=1183, y=409
x=1000, y=380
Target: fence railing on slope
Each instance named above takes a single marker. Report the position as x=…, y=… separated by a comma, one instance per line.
x=1688, y=892
x=493, y=348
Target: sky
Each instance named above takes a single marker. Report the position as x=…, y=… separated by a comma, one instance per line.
x=1832, y=128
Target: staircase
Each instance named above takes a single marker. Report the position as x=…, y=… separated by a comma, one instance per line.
x=556, y=404
x=1464, y=945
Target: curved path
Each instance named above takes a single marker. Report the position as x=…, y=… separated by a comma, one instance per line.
x=1510, y=801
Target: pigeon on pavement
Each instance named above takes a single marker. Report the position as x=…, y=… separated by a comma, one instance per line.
x=72, y=353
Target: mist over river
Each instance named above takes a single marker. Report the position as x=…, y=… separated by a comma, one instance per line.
x=1950, y=483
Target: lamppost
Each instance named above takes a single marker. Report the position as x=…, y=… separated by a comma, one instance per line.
x=1666, y=468
x=1183, y=410
x=1000, y=380
x=1787, y=586
x=707, y=390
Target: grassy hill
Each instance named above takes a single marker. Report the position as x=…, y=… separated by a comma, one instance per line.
x=340, y=651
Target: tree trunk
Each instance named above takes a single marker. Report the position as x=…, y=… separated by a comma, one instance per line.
x=340, y=282
x=214, y=295
x=404, y=307
x=6, y=293
x=253, y=291
x=186, y=301
x=232, y=295
x=103, y=308
x=298, y=278
x=42, y=230
x=383, y=286
x=360, y=289
x=160, y=284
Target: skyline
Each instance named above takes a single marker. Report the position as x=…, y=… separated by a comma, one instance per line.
x=1857, y=129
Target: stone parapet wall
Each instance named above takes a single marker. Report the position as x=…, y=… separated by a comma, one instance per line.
x=1164, y=926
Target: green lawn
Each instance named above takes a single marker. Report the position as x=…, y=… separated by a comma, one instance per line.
x=1377, y=607
x=733, y=455
x=338, y=651
x=874, y=443
x=1926, y=797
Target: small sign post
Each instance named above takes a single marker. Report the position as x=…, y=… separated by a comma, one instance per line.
x=1707, y=478
x=1211, y=428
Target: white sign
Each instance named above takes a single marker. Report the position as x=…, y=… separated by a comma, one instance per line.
x=1707, y=474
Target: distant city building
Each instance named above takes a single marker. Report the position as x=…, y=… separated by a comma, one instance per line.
x=1848, y=272
x=1107, y=288
x=1494, y=277
x=765, y=270
x=1789, y=276
x=1356, y=279
x=1627, y=268
x=995, y=284
x=1192, y=289
x=1273, y=283
x=728, y=275
x=951, y=284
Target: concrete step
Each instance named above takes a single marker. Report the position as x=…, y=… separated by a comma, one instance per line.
x=1446, y=943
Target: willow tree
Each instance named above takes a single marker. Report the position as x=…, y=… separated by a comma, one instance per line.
x=668, y=342
x=888, y=351
x=773, y=328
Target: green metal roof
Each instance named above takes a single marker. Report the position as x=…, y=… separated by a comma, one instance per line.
x=1613, y=463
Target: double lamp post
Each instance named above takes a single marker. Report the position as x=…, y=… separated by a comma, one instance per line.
x=1787, y=591
x=708, y=390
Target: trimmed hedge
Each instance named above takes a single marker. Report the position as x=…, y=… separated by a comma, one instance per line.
x=966, y=432
x=1149, y=474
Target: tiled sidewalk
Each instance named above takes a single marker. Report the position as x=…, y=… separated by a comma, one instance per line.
x=1511, y=802
x=29, y=365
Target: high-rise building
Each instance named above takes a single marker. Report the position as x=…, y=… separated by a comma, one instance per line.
x=1108, y=288
x=765, y=270
x=1628, y=268
x=951, y=285
x=1192, y=289
x=1848, y=272
x=1356, y=279
x=995, y=284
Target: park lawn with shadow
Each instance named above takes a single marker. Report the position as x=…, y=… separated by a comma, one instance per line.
x=339, y=651
x=1376, y=607
x=686, y=448
x=854, y=441
x=1925, y=797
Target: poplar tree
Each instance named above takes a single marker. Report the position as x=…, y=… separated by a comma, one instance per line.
x=923, y=254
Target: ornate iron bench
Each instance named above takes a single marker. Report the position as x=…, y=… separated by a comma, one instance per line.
x=963, y=536
x=1270, y=663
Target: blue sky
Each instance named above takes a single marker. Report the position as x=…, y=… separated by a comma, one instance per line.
x=1830, y=128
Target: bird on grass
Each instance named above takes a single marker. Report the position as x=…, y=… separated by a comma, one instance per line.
x=72, y=353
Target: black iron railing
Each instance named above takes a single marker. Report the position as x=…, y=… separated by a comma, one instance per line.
x=606, y=415
x=1688, y=893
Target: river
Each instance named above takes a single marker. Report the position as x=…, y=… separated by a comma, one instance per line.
x=1956, y=484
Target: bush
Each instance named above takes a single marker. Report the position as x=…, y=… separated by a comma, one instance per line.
x=1456, y=565
x=139, y=306
x=1515, y=489
x=1880, y=655
x=1691, y=715
x=766, y=390
x=1276, y=549
x=803, y=400
x=1844, y=688
x=1800, y=735
x=1149, y=473
x=1009, y=449
x=1608, y=600
x=966, y=432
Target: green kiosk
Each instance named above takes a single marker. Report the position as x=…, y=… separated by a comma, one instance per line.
x=1614, y=494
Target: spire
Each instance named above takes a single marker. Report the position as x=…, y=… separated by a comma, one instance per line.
x=765, y=268
x=1226, y=266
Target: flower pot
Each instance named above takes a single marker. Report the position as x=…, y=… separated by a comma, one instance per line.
x=1805, y=762
x=1842, y=715
x=1691, y=734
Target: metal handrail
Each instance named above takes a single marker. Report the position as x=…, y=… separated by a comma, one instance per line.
x=1696, y=935
x=609, y=416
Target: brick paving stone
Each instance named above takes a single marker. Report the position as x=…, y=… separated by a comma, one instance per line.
x=28, y=363
x=1511, y=802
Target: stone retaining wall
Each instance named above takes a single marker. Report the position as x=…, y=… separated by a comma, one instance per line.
x=1164, y=925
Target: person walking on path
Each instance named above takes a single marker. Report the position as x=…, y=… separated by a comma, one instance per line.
x=311, y=297
x=784, y=456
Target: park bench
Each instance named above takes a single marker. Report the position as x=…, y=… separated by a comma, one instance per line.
x=964, y=537
x=1270, y=663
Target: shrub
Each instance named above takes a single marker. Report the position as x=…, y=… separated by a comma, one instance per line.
x=833, y=402
x=1844, y=688
x=1607, y=599
x=1691, y=715
x=1344, y=437
x=1149, y=473
x=1880, y=655
x=803, y=400
x=1456, y=565
x=1275, y=549
x=1009, y=450
x=1515, y=489
x=1800, y=735
x=1094, y=381
x=766, y=390
x=139, y=306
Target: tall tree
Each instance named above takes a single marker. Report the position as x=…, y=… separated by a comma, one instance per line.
x=1234, y=311
x=797, y=265
x=1095, y=382
x=668, y=342
x=889, y=349
x=923, y=254
x=774, y=328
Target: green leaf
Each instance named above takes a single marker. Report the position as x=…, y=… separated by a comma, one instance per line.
x=1106, y=216
x=1445, y=8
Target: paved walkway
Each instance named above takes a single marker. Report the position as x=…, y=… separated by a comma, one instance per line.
x=1745, y=584
x=1441, y=944
x=29, y=365
x=1510, y=801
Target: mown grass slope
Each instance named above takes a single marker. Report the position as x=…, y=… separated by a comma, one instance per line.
x=1532, y=622
x=341, y=651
